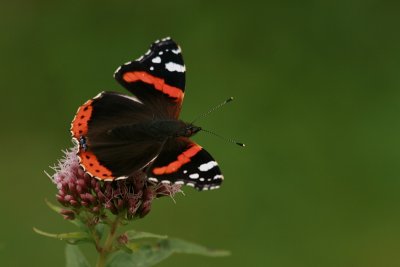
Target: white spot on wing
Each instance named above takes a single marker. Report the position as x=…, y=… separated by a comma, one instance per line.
x=185, y=171
x=190, y=184
x=160, y=53
x=179, y=182
x=156, y=60
x=177, y=51
x=194, y=176
x=171, y=66
x=208, y=166
x=165, y=182
x=202, y=179
x=152, y=179
x=151, y=68
x=218, y=176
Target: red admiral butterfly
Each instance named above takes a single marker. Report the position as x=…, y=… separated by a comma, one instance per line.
x=120, y=135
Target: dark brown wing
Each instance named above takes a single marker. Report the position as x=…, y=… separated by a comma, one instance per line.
x=107, y=153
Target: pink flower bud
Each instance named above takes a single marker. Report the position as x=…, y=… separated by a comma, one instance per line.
x=148, y=194
x=61, y=199
x=88, y=197
x=74, y=203
x=96, y=209
x=80, y=172
x=145, y=209
x=79, y=189
x=68, y=198
x=67, y=212
x=71, y=187
x=69, y=217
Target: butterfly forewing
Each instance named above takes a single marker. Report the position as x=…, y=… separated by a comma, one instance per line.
x=157, y=77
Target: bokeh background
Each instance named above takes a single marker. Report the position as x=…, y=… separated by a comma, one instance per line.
x=317, y=103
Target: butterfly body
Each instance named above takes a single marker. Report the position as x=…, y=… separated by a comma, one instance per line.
x=120, y=135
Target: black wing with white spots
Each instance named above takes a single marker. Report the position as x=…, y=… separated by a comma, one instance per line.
x=157, y=76
x=184, y=162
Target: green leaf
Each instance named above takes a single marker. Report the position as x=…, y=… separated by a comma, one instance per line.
x=132, y=235
x=73, y=237
x=149, y=255
x=53, y=206
x=182, y=246
x=74, y=257
x=146, y=256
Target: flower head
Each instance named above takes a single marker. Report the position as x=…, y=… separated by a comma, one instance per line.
x=81, y=193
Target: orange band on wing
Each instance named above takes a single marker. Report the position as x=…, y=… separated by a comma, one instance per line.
x=158, y=83
x=79, y=125
x=93, y=166
x=179, y=162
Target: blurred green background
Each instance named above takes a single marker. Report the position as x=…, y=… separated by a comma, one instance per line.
x=317, y=95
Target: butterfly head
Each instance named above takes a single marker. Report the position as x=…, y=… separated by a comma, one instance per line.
x=189, y=130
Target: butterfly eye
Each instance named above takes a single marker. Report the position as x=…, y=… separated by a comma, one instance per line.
x=191, y=130
x=82, y=143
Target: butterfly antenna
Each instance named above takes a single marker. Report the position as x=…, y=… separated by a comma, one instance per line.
x=213, y=109
x=224, y=138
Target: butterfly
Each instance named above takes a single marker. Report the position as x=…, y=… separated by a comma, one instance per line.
x=119, y=135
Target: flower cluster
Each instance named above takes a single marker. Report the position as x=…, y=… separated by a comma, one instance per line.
x=79, y=192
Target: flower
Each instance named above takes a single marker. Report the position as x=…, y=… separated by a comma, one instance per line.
x=84, y=195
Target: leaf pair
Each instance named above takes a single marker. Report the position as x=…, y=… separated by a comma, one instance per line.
x=143, y=255
x=149, y=255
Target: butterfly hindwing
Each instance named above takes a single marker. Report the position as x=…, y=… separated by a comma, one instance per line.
x=182, y=161
x=111, y=146
x=158, y=76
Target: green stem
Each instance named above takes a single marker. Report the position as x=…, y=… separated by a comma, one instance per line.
x=107, y=248
x=96, y=239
